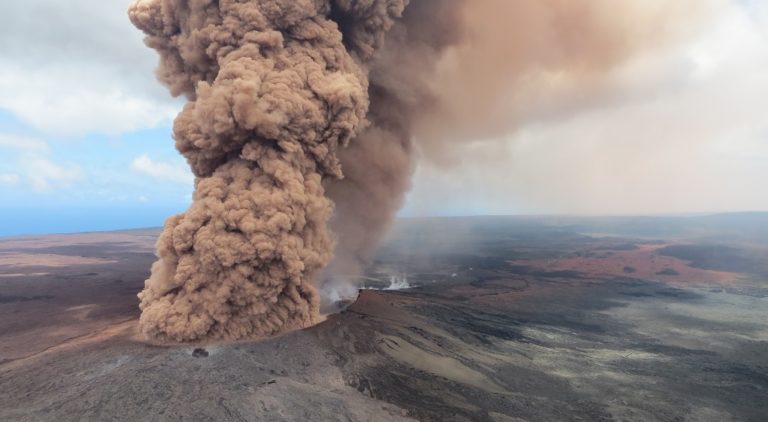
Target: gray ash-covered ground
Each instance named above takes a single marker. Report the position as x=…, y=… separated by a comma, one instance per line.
x=507, y=319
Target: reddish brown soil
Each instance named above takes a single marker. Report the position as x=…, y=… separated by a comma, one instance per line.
x=647, y=263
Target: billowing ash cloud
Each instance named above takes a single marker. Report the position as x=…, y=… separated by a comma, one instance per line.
x=308, y=114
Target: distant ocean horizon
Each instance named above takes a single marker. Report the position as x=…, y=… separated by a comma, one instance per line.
x=52, y=220
x=22, y=221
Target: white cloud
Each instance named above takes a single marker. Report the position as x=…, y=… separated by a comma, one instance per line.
x=44, y=174
x=23, y=144
x=33, y=164
x=54, y=103
x=9, y=179
x=176, y=172
x=68, y=78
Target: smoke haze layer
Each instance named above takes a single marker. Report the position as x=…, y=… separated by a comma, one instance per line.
x=305, y=115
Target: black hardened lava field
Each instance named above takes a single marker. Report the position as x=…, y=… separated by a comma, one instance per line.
x=483, y=318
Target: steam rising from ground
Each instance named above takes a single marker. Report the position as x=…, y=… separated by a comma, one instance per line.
x=299, y=105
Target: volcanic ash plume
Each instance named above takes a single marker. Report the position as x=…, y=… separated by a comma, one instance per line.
x=284, y=95
x=273, y=94
x=455, y=71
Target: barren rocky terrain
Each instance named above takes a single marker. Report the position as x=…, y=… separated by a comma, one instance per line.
x=506, y=319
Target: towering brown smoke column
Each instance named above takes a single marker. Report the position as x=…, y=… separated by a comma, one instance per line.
x=290, y=99
x=273, y=94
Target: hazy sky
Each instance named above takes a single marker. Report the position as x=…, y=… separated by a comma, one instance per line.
x=85, y=131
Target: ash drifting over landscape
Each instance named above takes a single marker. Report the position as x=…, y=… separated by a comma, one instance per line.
x=306, y=117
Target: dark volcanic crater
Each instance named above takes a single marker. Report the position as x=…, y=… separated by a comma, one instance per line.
x=507, y=320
